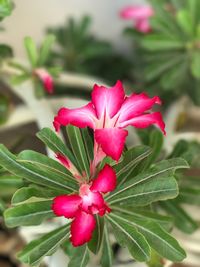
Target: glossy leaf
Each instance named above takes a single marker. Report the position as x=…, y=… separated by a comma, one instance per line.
x=46, y=245
x=157, y=237
x=32, y=213
x=32, y=173
x=127, y=235
x=157, y=182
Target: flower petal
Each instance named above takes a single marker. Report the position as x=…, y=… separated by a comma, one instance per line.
x=63, y=160
x=111, y=140
x=137, y=12
x=66, y=205
x=146, y=120
x=106, y=180
x=80, y=117
x=46, y=79
x=108, y=99
x=143, y=26
x=135, y=105
x=82, y=228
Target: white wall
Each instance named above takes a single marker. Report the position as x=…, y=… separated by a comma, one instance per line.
x=31, y=17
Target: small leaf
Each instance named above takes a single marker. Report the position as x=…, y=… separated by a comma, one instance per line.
x=31, y=51
x=195, y=64
x=18, y=79
x=107, y=253
x=45, y=49
x=80, y=257
x=127, y=235
x=32, y=213
x=184, y=20
x=46, y=245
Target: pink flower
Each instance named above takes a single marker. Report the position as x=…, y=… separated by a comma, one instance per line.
x=83, y=206
x=109, y=112
x=46, y=79
x=140, y=15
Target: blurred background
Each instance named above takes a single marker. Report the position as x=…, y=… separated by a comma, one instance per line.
x=85, y=42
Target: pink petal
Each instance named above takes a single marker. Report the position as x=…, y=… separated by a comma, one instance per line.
x=137, y=12
x=63, y=160
x=106, y=180
x=112, y=141
x=46, y=79
x=146, y=120
x=82, y=228
x=80, y=117
x=143, y=26
x=90, y=199
x=108, y=100
x=135, y=105
x=66, y=205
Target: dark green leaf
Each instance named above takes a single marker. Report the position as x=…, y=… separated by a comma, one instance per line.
x=95, y=243
x=107, y=253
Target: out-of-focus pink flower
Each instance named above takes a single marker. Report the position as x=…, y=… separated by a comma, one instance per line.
x=140, y=15
x=109, y=112
x=83, y=206
x=45, y=78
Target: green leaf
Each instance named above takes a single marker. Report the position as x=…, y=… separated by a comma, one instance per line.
x=181, y=219
x=5, y=51
x=189, y=195
x=80, y=257
x=157, y=237
x=88, y=142
x=164, y=221
x=34, y=192
x=51, y=140
x=31, y=51
x=46, y=245
x=128, y=236
x=184, y=20
x=6, y=7
x=45, y=49
x=32, y=173
x=78, y=148
x=32, y=213
x=107, y=253
x=95, y=243
x=158, y=42
x=125, y=168
x=154, y=184
x=47, y=164
x=195, y=64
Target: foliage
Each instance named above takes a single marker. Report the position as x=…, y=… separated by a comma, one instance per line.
x=189, y=187
x=78, y=50
x=169, y=55
x=38, y=59
x=140, y=185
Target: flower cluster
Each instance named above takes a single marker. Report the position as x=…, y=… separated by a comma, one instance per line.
x=140, y=15
x=109, y=112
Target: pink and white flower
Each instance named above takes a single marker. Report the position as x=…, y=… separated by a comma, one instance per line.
x=109, y=112
x=45, y=78
x=83, y=206
x=140, y=14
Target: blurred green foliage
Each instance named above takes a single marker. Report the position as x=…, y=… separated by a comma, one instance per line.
x=78, y=50
x=167, y=60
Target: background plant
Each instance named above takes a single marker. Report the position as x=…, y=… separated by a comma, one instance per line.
x=167, y=59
